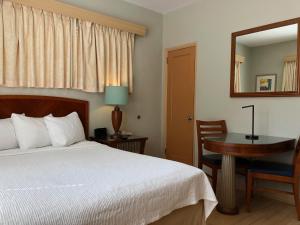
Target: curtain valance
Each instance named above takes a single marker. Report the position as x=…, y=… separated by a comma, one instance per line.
x=47, y=50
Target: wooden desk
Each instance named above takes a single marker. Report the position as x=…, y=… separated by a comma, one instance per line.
x=132, y=143
x=234, y=144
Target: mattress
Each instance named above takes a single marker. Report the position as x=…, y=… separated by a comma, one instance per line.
x=90, y=183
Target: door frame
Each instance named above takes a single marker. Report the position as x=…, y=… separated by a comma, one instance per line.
x=165, y=98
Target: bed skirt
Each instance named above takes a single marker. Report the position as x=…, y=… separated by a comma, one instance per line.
x=190, y=215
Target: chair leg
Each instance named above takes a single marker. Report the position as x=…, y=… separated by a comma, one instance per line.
x=296, y=186
x=246, y=185
x=214, y=179
x=249, y=191
x=200, y=165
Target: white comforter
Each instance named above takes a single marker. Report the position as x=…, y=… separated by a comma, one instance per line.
x=89, y=183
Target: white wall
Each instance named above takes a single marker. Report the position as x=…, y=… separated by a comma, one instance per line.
x=210, y=24
x=146, y=99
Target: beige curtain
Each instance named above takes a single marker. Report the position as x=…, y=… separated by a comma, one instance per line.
x=289, y=82
x=46, y=50
x=237, y=77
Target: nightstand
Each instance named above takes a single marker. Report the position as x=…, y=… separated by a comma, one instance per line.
x=131, y=144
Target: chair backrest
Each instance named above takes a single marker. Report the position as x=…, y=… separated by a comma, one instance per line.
x=296, y=162
x=208, y=129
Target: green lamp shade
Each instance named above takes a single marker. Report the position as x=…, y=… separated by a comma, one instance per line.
x=116, y=95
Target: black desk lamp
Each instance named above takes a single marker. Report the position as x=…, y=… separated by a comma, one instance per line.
x=252, y=136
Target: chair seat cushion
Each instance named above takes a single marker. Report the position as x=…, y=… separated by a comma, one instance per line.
x=242, y=162
x=279, y=169
x=216, y=159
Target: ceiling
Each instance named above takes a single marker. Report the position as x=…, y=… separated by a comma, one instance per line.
x=273, y=36
x=161, y=6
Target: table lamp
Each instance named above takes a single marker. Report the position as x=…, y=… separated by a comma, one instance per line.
x=116, y=96
x=252, y=136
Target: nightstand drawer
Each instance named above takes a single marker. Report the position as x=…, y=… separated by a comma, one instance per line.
x=134, y=146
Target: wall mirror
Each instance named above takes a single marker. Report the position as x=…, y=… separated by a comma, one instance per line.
x=264, y=61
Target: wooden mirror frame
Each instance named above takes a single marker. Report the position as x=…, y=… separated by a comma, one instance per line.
x=233, y=53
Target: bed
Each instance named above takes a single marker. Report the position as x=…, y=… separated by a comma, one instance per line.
x=90, y=183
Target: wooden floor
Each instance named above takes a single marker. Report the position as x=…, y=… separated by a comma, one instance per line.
x=264, y=212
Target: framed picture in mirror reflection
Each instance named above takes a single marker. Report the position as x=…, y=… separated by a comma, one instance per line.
x=266, y=83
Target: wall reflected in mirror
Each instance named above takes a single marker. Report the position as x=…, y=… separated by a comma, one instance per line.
x=266, y=61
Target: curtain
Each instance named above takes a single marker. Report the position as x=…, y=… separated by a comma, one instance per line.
x=46, y=50
x=237, y=77
x=289, y=82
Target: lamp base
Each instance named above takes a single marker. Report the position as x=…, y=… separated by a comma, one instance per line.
x=116, y=117
x=252, y=137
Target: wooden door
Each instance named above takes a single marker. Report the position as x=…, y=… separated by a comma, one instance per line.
x=180, y=104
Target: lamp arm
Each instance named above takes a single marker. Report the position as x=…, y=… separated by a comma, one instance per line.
x=247, y=106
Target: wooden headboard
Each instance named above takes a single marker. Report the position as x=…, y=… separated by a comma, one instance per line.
x=39, y=106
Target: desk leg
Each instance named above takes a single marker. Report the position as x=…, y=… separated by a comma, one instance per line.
x=227, y=204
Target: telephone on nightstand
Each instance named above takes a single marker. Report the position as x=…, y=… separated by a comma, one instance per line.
x=100, y=133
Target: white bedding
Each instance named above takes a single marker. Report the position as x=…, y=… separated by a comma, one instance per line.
x=89, y=183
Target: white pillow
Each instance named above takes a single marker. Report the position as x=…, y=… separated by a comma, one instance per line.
x=31, y=132
x=8, y=139
x=65, y=131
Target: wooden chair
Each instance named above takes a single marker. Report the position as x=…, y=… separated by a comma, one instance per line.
x=276, y=172
x=213, y=161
